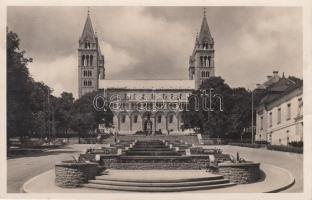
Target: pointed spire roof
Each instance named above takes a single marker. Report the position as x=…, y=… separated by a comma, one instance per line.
x=88, y=32
x=204, y=34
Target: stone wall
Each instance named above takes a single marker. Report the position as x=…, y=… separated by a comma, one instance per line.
x=69, y=174
x=240, y=173
x=183, y=162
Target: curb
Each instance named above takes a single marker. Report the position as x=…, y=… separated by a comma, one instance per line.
x=24, y=189
x=288, y=185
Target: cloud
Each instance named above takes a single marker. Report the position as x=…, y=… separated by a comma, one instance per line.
x=60, y=74
x=156, y=42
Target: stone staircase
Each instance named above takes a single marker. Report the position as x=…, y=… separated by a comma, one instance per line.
x=158, y=185
x=151, y=148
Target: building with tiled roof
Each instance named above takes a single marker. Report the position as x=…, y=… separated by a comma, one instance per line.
x=279, y=116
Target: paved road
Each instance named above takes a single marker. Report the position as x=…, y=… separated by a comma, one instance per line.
x=22, y=169
x=290, y=161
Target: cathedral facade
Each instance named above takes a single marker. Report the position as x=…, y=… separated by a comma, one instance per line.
x=149, y=106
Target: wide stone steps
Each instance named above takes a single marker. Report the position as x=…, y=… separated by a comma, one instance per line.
x=150, y=149
x=157, y=188
x=155, y=183
x=150, y=146
x=104, y=176
x=152, y=153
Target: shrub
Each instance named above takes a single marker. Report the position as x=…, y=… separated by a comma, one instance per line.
x=296, y=143
x=139, y=133
x=262, y=142
x=285, y=148
x=246, y=145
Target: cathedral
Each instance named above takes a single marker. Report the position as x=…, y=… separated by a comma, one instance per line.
x=147, y=106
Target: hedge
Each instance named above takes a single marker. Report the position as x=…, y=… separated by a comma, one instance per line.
x=285, y=148
x=245, y=145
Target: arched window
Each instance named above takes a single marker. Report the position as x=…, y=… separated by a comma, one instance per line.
x=135, y=119
x=170, y=119
x=86, y=45
x=209, y=61
x=89, y=73
x=123, y=119
x=159, y=119
x=85, y=83
x=87, y=58
x=201, y=60
x=91, y=60
x=82, y=60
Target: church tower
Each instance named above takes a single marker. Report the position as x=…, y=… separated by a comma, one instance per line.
x=201, y=64
x=90, y=60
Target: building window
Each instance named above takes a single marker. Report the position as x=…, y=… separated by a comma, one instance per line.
x=159, y=119
x=300, y=106
x=91, y=60
x=270, y=137
x=170, y=119
x=270, y=119
x=123, y=119
x=288, y=111
x=279, y=115
x=209, y=61
x=261, y=123
x=135, y=120
x=83, y=60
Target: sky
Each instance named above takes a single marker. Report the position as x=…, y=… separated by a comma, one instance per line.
x=156, y=42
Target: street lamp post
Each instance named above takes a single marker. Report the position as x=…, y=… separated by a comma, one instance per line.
x=252, y=118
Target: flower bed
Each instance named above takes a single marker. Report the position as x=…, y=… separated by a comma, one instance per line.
x=72, y=174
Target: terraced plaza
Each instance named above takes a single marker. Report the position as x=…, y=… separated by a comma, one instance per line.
x=160, y=164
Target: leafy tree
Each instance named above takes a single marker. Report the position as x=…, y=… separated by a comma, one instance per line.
x=19, y=88
x=86, y=118
x=41, y=109
x=225, y=118
x=63, y=112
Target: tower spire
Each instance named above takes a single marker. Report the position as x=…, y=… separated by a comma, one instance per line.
x=88, y=32
x=204, y=34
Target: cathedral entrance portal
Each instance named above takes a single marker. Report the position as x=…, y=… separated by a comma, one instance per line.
x=148, y=125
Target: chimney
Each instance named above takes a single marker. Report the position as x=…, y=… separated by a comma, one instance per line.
x=275, y=73
x=269, y=77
